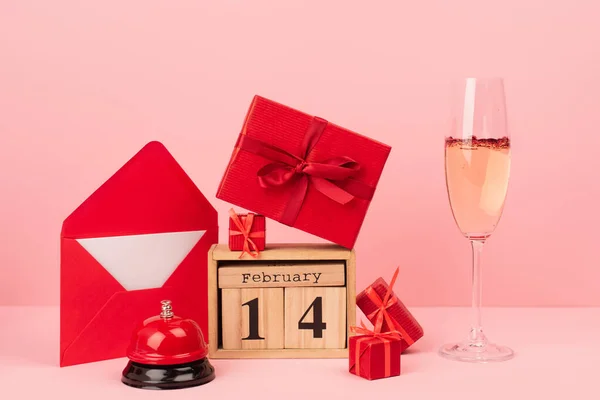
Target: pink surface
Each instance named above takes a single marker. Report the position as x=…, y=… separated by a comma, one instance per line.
x=84, y=85
x=557, y=356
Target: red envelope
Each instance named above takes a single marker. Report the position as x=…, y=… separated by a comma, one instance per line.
x=140, y=238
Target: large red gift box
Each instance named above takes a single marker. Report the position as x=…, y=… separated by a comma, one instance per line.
x=372, y=303
x=303, y=171
x=374, y=357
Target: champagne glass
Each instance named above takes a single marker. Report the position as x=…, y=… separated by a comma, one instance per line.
x=477, y=158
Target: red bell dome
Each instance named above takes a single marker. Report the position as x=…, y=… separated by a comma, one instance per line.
x=166, y=339
x=167, y=352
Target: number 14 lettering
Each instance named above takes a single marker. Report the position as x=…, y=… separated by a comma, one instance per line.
x=317, y=326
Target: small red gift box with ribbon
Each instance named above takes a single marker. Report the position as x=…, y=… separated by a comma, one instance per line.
x=303, y=171
x=374, y=355
x=247, y=233
x=387, y=313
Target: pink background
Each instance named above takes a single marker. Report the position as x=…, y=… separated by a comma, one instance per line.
x=84, y=85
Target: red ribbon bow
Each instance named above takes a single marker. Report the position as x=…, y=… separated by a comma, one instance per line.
x=244, y=229
x=385, y=337
x=381, y=313
x=331, y=177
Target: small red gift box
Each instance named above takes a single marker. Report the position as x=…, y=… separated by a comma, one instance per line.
x=247, y=232
x=303, y=171
x=384, y=309
x=374, y=357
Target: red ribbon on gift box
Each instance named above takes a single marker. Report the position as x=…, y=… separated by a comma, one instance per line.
x=385, y=337
x=245, y=230
x=381, y=312
x=332, y=177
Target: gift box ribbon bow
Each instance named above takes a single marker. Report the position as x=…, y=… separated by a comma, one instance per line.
x=331, y=177
x=385, y=337
x=381, y=313
x=244, y=228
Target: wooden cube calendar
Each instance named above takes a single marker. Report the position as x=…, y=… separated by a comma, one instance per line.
x=292, y=301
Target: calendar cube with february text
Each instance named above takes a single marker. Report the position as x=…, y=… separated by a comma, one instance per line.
x=293, y=301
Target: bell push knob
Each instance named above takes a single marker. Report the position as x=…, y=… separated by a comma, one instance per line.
x=167, y=352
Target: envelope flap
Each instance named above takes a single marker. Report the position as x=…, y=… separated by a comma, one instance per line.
x=151, y=193
x=98, y=315
x=84, y=287
x=109, y=333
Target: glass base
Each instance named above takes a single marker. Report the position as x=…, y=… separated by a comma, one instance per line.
x=476, y=352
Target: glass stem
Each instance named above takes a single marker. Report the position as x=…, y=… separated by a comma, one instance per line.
x=477, y=338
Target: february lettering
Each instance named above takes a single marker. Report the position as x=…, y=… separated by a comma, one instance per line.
x=312, y=277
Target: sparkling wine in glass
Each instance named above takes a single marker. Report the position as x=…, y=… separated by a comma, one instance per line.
x=477, y=158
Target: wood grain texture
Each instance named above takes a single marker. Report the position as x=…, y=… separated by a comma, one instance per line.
x=350, y=294
x=220, y=255
x=285, y=274
x=285, y=353
x=301, y=304
x=213, y=303
x=236, y=313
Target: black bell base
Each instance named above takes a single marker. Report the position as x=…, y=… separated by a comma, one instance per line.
x=165, y=377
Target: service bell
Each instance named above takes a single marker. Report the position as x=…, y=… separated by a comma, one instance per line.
x=167, y=352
